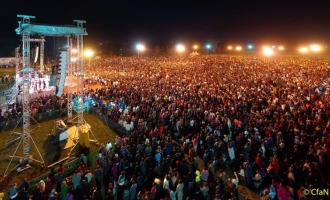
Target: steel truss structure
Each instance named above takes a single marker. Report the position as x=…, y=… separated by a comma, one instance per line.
x=27, y=29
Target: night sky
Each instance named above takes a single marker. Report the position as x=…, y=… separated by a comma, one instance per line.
x=159, y=22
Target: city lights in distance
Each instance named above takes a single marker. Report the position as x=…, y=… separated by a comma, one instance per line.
x=315, y=47
x=180, y=48
x=303, y=49
x=238, y=48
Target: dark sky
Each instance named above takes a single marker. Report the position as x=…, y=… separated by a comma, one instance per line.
x=158, y=22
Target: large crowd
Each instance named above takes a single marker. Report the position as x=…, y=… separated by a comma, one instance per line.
x=190, y=121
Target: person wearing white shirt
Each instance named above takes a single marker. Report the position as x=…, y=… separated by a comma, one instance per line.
x=179, y=190
x=235, y=180
x=241, y=171
x=108, y=146
x=231, y=152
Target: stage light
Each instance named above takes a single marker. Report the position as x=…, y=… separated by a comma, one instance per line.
x=88, y=53
x=229, y=47
x=74, y=50
x=303, y=50
x=140, y=47
x=208, y=46
x=281, y=48
x=250, y=46
x=267, y=51
x=238, y=48
x=315, y=47
x=195, y=46
x=180, y=48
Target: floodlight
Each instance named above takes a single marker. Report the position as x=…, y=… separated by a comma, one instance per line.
x=267, y=51
x=238, y=48
x=140, y=47
x=180, y=48
x=303, y=49
x=88, y=53
x=315, y=47
x=195, y=46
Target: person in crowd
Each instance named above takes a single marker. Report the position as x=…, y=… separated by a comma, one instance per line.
x=13, y=192
x=265, y=117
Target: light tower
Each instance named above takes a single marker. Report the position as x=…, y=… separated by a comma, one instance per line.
x=140, y=48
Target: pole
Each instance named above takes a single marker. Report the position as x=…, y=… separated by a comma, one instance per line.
x=89, y=73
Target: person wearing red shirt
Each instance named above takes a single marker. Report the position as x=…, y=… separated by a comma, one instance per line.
x=276, y=166
x=61, y=169
x=258, y=160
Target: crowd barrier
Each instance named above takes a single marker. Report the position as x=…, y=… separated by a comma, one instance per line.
x=120, y=130
x=69, y=169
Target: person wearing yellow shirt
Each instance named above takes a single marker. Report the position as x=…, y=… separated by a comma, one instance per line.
x=1, y=195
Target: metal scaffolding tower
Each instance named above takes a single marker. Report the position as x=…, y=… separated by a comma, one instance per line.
x=80, y=72
x=26, y=29
x=24, y=137
x=69, y=70
x=26, y=85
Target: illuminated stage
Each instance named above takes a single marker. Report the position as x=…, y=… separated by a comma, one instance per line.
x=39, y=85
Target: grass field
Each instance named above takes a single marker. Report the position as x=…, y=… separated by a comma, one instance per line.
x=49, y=152
x=7, y=71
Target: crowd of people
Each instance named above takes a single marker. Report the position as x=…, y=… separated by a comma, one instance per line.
x=192, y=120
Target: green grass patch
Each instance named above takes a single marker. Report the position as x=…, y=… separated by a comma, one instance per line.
x=7, y=71
x=50, y=153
